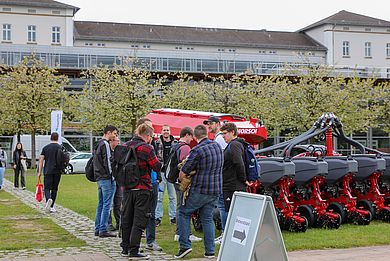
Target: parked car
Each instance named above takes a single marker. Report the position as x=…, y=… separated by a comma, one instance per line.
x=78, y=162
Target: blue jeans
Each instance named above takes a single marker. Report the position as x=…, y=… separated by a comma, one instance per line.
x=165, y=185
x=205, y=204
x=2, y=170
x=151, y=226
x=222, y=212
x=106, y=190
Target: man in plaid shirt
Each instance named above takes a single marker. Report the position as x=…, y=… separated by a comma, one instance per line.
x=136, y=201
x=207, y=160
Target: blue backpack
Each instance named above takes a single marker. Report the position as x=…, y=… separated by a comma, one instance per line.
x=252, y=166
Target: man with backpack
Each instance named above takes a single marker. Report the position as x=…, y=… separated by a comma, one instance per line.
x=163, y=147
x=106, y=184
x=52, y=169
x=233, y=174
x=137, y=198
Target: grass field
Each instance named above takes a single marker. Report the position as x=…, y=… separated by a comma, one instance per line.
x=25, y=228
x=80, y=195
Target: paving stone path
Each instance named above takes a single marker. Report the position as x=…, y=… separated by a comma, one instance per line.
x=76, y=224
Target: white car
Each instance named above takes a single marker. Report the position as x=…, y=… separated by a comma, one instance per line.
x=78, y=162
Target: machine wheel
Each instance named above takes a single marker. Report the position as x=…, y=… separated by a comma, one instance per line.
x=365, y=220
x=387, y=201
x=384, y=215
x=196, y=221
x=336, y=223
x=367, y=205
x=339, y=209
x=68, y=169
x=217, y=219
x=300, y=227
x=307, y=212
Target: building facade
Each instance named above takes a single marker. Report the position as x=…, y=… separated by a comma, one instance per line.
x=352, y=43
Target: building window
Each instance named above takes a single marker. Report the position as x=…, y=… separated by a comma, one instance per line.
x=221, y=49
x=146, y=46
x=346, y=28
x=31, y=33
x=7, y=9
x=345, y=48
x=101, y=44
x=367, y=29
x=55, y=34
x=178, y=47
x=134, y=46
x=367, y=49
x=88, y=44
x=32, y=11
x=56, y=12
x=6, y=32
x=388, y=50
x=190, y=48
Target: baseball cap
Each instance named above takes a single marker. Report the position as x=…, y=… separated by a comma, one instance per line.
x=211, y=119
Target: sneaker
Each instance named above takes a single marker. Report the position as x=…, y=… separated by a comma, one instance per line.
x=207, y=255
x=154, y=247
x=183, y=252
x=176, y=238
x=158, y=222
x=218, y=240
x=107, y=234
x=53, y=210
x=48, y=205
x=195, y=238
x=138, y=256
x=96, y=233
x=173, y=221
x=125, y=253
x=24, y=188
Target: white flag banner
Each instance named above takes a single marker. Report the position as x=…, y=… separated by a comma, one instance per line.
x=56, y=124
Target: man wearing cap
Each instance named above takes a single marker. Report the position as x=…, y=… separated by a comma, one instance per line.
x=214, y=126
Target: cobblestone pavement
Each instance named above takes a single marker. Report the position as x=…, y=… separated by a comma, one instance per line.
x=76, y=224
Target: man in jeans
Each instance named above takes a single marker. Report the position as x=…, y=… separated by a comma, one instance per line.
x=214, y=126
x=207, y=160
x=163, y=147
x=105, y=182
x=137, y=200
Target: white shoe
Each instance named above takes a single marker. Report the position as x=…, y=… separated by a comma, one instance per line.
x=176, y=238
x=195, y=238
x=218, y=240
x=48, y=205
x=53, y=210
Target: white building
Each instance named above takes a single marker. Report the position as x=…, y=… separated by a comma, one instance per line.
x=345, y=40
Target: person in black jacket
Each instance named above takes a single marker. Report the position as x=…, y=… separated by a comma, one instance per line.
x=105, y=182
x=234, y=176
x=19, y=155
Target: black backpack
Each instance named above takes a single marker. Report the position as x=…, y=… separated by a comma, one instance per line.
x=125, y=166
x=89, y=171
x=171, y=169
x=62, y=159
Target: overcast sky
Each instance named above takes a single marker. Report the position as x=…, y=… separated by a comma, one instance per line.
x=273, y=15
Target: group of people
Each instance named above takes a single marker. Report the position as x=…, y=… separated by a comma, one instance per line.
x=216, y=168
x=19, y=165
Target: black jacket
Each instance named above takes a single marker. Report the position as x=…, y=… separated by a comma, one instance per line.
x=101, y=161
x=233, y=173
x=17, y=157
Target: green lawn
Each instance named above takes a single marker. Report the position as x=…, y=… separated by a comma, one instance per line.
x=25, y=228
x=77, y=193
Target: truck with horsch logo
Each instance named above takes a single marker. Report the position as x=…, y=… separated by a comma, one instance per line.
x=251, y=130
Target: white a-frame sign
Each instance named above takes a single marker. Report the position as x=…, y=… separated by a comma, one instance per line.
x=252, y=231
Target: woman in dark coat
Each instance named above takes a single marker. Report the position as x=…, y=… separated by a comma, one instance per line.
x=19, y=155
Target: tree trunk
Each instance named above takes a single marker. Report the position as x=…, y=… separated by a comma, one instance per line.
x=33, y=154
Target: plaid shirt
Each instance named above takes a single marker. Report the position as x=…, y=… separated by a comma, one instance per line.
x=207, y=159
x=147, y=161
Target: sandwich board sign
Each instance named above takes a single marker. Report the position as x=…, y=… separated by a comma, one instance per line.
x=252, y=231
